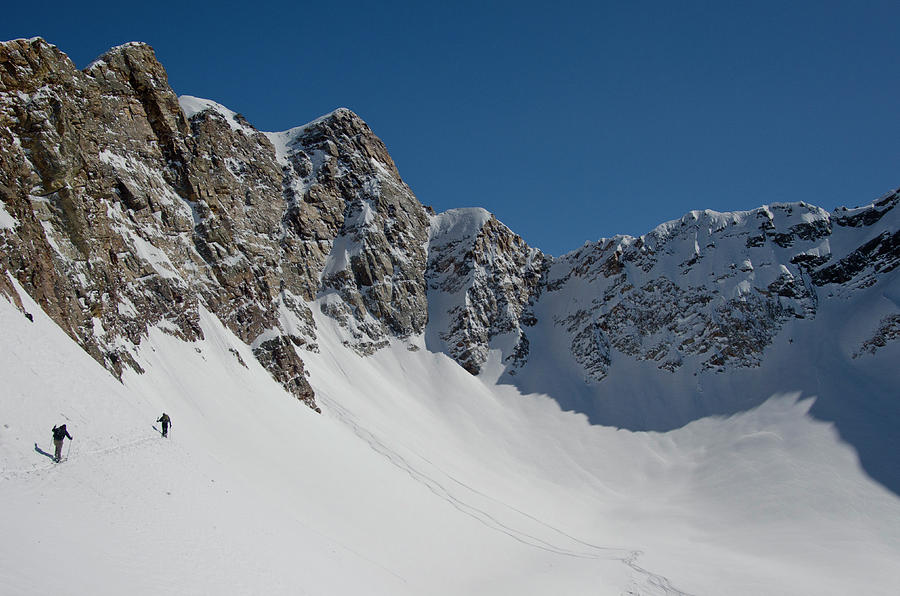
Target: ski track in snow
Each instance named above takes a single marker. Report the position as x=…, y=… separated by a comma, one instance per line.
x=13, y=474
x=646, y=584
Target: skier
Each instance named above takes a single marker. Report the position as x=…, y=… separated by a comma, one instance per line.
x=166, y=421
x=59, y=435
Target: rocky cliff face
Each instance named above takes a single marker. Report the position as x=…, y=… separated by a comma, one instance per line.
x=711, y=288
x=125, y=211
x=710, y=291
x=481, y=280
x=93, y=164
x=357, y=233
x=124, y=207
x=718, y=287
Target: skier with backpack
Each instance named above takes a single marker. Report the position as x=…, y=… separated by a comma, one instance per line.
x=166, y=421
x=59, y=435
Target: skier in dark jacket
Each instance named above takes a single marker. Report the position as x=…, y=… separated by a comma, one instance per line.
x=166, y=421
x=59, y=435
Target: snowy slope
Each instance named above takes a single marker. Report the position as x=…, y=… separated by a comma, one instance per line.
x=418, y=478
x=712, y=313
x=130, y=512
x=709, y=408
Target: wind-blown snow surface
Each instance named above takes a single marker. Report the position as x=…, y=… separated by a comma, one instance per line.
x=417, y=479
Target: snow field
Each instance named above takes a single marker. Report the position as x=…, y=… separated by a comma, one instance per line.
x=130, y=512
x=417, y=479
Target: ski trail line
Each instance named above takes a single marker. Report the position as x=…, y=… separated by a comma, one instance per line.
x=13, y=474
x=651, y=584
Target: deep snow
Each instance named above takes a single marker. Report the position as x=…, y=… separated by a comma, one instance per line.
x=417, y=479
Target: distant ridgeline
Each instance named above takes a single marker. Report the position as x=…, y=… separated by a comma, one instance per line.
x=124, y=208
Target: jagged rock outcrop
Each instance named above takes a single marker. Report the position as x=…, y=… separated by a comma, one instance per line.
x=79, y=245
x=710, y=291
x=712, y=288
x=125, y=214
x=481, y=278
x=881, y=254
x=888, y=331
x=132, y=209
x=357, y=232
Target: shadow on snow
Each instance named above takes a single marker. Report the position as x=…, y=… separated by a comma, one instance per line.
x=859, y=396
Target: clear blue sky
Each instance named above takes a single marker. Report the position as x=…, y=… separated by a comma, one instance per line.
x=569, y=121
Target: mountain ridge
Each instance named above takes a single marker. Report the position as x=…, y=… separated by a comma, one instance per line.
x=126, y=208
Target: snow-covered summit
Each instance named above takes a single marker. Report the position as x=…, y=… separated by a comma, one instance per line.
x=194, y=105
x=455, y=225
x=103, y=59
x=336, y=113
x=284, y=141
x=29, y=41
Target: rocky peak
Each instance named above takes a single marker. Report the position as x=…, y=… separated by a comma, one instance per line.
x=481, y=280
x=710, y=289
x=132, y=68
x=26, y=65
x=342, y=132
x=126, y=217
x=359, y=230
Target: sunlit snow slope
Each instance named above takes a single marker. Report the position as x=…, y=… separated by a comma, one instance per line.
x=417, y=479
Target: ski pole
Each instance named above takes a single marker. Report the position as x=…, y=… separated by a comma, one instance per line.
x=69, y=448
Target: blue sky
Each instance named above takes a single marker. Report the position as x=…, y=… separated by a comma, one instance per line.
x=569, y=121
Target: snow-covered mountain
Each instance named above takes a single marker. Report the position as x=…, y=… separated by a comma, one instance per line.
x=719, y=394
